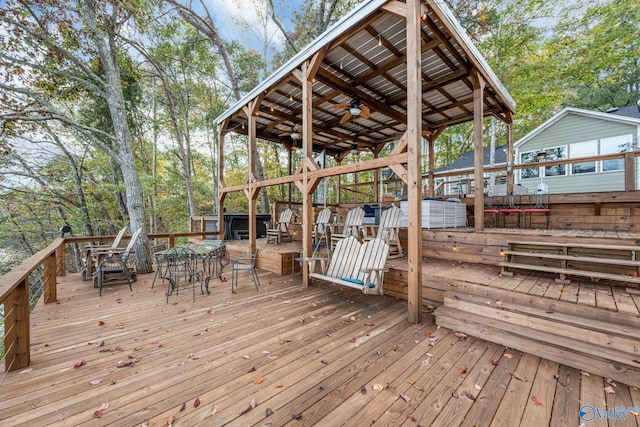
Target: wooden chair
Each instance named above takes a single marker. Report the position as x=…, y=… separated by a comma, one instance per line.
x=116, y=264
x=354, y=264
x=245, y=262
x=540, y=207
x=389, y=231
x=280, y=229
x=352, y=226
x=93, y=254
x=321, y=229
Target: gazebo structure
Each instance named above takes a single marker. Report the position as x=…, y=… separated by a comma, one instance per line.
x=400, y=70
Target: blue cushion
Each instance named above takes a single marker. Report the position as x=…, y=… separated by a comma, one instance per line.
x=357, y=281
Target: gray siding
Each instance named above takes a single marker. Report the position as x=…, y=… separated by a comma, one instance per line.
x=571, y=129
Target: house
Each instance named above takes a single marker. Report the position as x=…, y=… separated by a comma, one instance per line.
x=460, y=184
x=578, y=133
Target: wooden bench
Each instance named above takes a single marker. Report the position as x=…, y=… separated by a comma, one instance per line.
x=596, y=261
x=354, y=264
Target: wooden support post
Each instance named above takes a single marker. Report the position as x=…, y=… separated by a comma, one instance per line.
x=414, y=157
x=16, y=326
x=478, y=148
x=307, y=152
x=253, y=153
x=510, y=176
x=221, y=194
x=629, y=171
x=50, y=291
x=289, y=172
x=172, y=241
x=432, y=166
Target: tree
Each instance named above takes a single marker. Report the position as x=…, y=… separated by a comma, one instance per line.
x=47, y=49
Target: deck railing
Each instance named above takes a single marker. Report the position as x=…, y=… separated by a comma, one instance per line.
x=14, y=292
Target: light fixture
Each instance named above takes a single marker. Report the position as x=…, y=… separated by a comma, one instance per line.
x=424, y=15
x=501, y=250
x=541, y=155
x=242, y=125
x=354, y=151
x=272, y=108
x=341, y=66
x=291, y=98
x=455, y=247
x=355, y=111
x=379, y=40
x=295, y=135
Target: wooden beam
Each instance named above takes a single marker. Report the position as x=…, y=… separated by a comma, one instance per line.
x=510, y=175
x=396, y=8
x=366, y=165
x=414, y=135
x=222, y=132
x=253, y=154
x=432, y=165
x=478, y=149
x=307, y=155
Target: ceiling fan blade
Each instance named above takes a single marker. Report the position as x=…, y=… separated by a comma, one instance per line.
x=341, y=106
x=345, y=118
x=365, y=112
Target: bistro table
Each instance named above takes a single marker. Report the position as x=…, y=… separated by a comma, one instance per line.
x=212, y=255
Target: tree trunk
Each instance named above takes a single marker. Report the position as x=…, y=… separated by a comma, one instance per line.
x=126, y=159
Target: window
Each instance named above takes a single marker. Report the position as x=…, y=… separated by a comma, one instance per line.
x=556, y=153
x=583, y=149
x=529, y=157
x=617, y=144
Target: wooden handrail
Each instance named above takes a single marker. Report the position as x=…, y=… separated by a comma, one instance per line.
x=14, y=292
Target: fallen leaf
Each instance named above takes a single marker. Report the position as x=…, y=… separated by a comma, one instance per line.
x=377, y=387
x=97, y=414
x=352, y=340
x=536, y=400
x=268, y=412
x=301, y=319
x=412, y=382
x=324, y=362
x=296, y=416
x=363, y=390
x=610, y=389
x=508, y=355
x=211, y=311
x=79, y=363
x=258, y=380
x=495, y=362
x=183, y=407
x=246, y=356
x=104, y=406
x=26, y=371
x=461, y=336
x=252, y=369
x=405, y=397
x=470, y=396
x=478, y=387
x=517, y=376
x=352, y=318
x=170, y=421
x=95, y=382
x=122, y=363
x=101, y=323
x=498, y=302
x=196, y=402
x=463, y=370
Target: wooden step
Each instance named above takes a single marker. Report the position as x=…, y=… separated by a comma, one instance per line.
x=579, y=245
x=599, y=360
x=547, y=304
x=569, y=271
x=607, y=334
x=612, y=261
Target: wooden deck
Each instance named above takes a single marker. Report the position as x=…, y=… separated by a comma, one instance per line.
x=326, y=354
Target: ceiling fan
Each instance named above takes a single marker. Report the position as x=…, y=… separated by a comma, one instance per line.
x=293, y=132
x=355, y=108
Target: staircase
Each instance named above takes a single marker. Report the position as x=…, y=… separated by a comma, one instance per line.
x=598, y=341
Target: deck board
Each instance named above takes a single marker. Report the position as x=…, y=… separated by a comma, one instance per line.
x=315, y=349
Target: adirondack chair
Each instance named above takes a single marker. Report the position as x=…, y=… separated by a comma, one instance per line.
x=389, y=231
x=280, y=229
x=352, y=225
x=321, y=228
x=94, y=253
x=354, y=264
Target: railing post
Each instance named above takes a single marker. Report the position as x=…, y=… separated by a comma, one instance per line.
x=16, y=324
x=172, y=241
x=629, y=171
x=50, y=292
